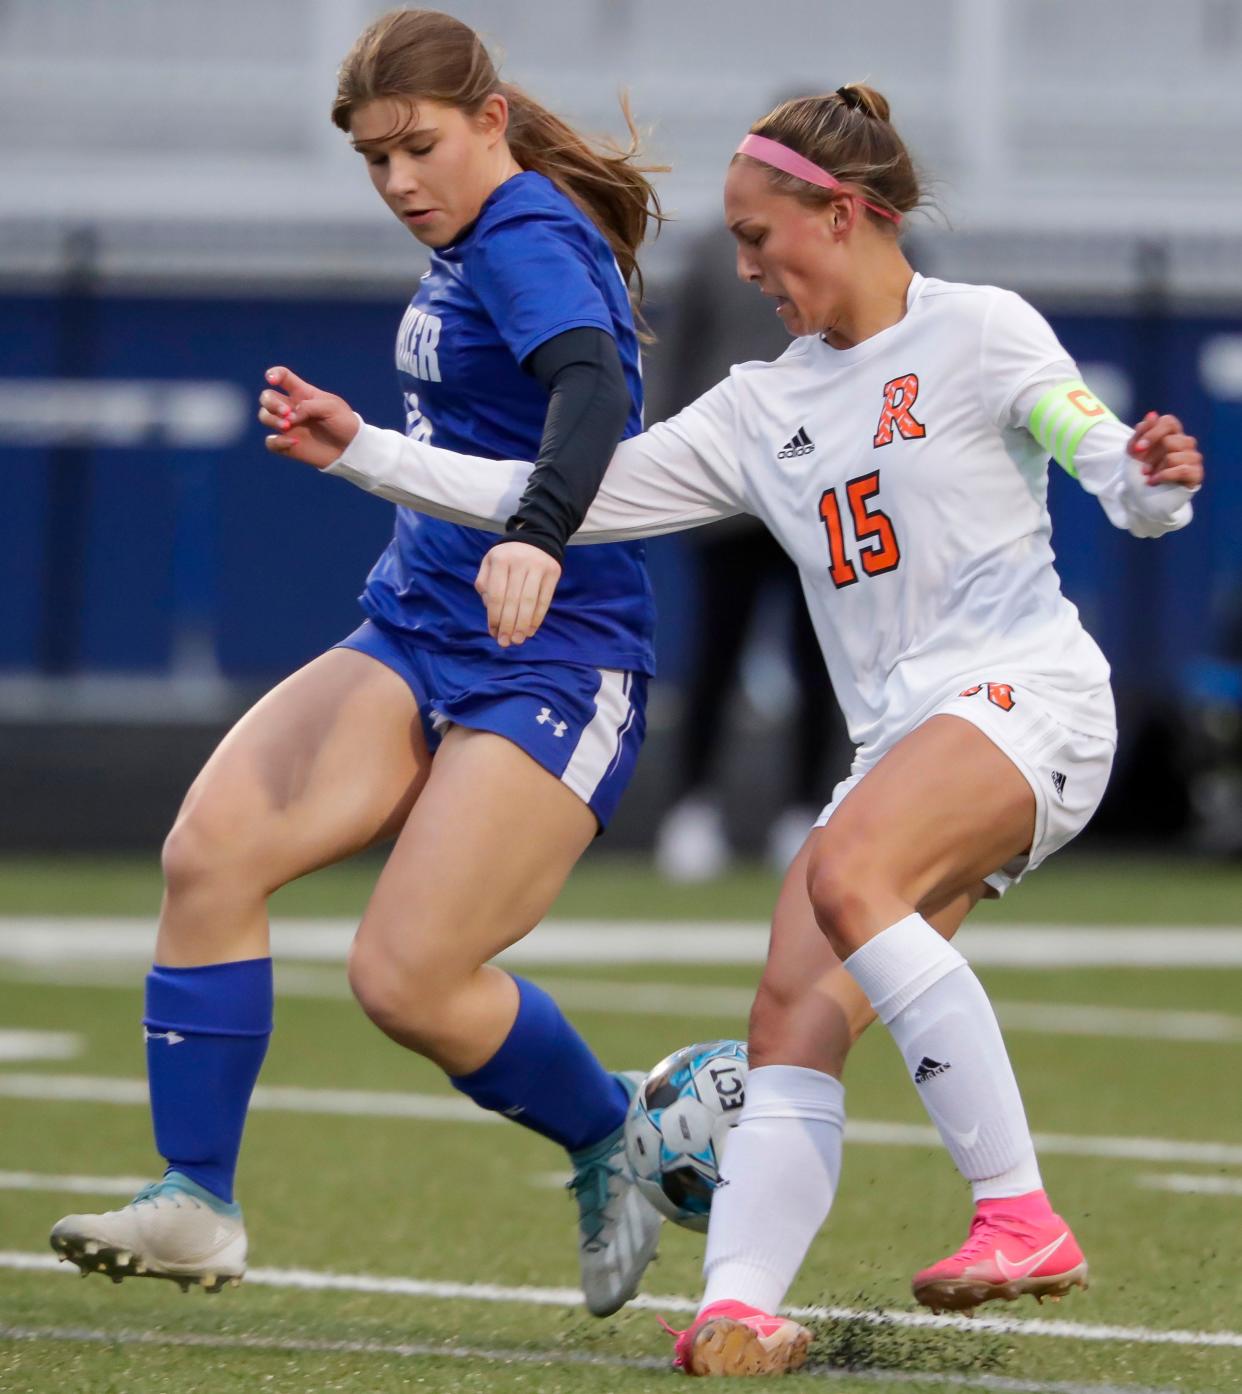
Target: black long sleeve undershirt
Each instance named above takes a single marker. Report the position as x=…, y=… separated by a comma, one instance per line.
x=588, y=405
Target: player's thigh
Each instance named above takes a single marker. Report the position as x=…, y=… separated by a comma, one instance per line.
x=808, y=1010
x=482, y=856
x=937, y=814
x=325, y=764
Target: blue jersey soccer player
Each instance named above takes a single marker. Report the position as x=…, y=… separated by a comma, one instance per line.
x=492, y=760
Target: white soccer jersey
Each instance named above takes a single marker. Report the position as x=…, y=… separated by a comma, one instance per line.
x=902, y=480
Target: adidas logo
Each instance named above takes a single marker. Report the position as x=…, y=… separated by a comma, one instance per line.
x=800, y=444
x=929, y=1069
x=1058, y=783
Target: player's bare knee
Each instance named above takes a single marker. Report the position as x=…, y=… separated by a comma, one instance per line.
x=376, y=983
x=840, y=886
x=197, y=850
x=400, y=994
x=214, y=858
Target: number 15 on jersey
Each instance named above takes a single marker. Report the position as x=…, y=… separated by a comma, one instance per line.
x=876, y=542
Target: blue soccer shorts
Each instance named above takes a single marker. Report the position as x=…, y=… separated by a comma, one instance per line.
x=583, y=725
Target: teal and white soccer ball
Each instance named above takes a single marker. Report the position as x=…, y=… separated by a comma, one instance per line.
x=678, y=1124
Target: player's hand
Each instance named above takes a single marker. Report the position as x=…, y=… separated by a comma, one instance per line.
x=1167, y=454
x=311, y=425
x=517, y=583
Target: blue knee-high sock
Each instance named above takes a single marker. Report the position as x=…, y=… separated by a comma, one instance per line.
x=207, y=1031
x=545, y=1077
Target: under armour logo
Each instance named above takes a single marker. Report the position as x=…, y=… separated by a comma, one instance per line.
x=170, y=1036
x=545, y=717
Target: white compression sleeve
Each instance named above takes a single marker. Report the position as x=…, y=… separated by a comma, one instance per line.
x=1089, y=442
x=680, y=474
x=778, y=1179
x=924, y=991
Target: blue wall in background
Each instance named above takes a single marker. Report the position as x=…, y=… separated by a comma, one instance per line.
x=273, y=555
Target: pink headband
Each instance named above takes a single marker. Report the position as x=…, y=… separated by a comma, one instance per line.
x=772, y=152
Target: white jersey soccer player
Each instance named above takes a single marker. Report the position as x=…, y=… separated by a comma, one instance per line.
x=898, y=451
x=906, y=480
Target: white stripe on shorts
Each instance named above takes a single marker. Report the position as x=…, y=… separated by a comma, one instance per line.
x=600, y=742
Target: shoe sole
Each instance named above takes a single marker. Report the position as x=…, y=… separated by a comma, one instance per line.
x=728, y=1347
x=95, y=1256
x=964, y=1294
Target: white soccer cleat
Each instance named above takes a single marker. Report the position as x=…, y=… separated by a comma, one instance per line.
x=171, y=1229
x=618, y=1228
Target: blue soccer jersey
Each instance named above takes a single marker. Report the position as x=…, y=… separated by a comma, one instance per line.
x=530, y=267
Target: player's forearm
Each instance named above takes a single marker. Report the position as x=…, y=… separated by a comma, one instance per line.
x=643, y=494
x=1088, y=441
x=461, y=489
x=1107, y=470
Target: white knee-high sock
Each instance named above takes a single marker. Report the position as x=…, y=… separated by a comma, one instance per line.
x=924, y=991
x=778, y=1178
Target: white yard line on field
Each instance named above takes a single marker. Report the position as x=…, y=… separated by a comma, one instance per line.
x=74, y=1185
x=694, y=1001
x=311, y=1280
x=1039, y=1018
x=691, y=1001
x=35, y=939
x=39, y=1045
x=1189, y=1184
x=1002, y=1384
x=375, y=1103
x=1127, y=1023
x=364, y=1103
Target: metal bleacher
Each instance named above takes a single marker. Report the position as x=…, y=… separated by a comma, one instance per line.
x=197, y=136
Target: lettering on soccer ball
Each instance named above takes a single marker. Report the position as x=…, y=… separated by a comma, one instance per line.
x=730, y=1087
x=900, y=394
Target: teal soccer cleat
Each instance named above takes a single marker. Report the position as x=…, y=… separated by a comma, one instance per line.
x=618, y=1229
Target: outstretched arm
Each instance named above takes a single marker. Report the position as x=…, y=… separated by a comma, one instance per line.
x=680, y=474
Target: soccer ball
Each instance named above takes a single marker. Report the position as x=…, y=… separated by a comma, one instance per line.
x=677, y=1126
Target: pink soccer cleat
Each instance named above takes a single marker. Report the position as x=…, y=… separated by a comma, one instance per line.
x=1016, y=1245
x=730, y=1338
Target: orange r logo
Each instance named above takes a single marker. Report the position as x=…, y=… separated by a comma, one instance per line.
x=899, y=397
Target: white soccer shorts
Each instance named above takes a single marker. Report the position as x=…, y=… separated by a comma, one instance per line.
x=1067, y=770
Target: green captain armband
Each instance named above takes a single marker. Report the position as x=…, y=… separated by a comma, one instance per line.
x=1062, y=416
